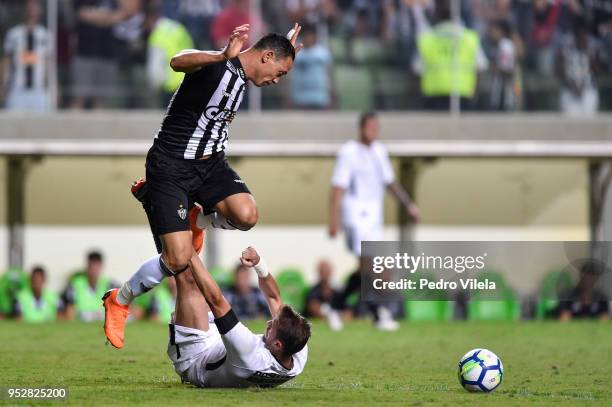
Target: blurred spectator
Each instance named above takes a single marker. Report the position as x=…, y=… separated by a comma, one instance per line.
x=117, y=36
x=502, y=90
x=404, y=21
x=490, y=10
x=312, y=80
x=246, y=300
x=275, y=14
x=321, y=294
x=585, y=301
x=130, y=48
x=316, y=12
x=602, y=28
x=449, y=59
x=94, y=71
x=11, y=282
x=545, y=16
x=27, y=49
x=37, y=303
x=197, y=16
x=82, y=297
x=166, y=39
x=575, y=61
x=238, y=12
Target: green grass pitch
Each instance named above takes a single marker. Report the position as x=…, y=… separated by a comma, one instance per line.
x=545, y=364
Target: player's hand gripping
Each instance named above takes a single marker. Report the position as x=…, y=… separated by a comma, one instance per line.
x=236, y=41
x=250, y=257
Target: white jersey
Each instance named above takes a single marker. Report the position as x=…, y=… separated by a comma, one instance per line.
x=363, y=172
x=28, y=51
x=238, y=358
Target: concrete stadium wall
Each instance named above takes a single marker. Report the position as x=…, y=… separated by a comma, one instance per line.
x=295, y=191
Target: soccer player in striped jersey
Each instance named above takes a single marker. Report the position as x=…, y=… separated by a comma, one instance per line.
x=187, y=164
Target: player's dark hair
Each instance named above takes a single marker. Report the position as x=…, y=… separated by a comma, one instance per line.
x=293, y=330
x=38, y=270
x=278, y=43
x=94, y=255
x=365, y=116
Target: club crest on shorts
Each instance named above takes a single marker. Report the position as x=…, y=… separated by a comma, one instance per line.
x=182, y=212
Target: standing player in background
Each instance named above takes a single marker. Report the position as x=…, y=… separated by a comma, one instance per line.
x=362, y=174
x=187, y=163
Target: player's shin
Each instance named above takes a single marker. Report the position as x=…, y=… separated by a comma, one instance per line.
x=149, y=275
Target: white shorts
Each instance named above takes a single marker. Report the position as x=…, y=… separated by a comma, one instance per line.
x=356, y=233
x=194, y=352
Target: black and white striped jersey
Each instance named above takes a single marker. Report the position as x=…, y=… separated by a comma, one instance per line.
x=199, y=115
x=28, y=49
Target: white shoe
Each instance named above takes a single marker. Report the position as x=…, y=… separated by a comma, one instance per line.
x=333, y=317
x=385, y=320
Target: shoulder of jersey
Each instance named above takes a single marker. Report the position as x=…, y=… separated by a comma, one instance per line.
x=229, y=65
x=348, y=145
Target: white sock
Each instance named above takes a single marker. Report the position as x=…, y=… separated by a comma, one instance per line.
x=125, y=295
x=149, y=275
x=215, y=220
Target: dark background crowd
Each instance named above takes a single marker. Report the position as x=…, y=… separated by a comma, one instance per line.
x=359, y=54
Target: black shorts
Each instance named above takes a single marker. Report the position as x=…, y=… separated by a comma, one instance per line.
x=174, y=185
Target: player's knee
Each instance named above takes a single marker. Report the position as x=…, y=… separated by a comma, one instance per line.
x=247, y=217
x=178, y=260
x=185, y=278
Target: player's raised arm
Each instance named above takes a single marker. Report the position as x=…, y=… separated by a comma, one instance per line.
x=267, y=283
x=209, y=288
x=192, y=60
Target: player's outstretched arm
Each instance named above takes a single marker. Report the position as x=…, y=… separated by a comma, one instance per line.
x=267, y=282
x=192, y=60
x=208, y=287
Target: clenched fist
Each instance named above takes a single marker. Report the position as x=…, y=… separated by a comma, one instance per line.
x=250, y=257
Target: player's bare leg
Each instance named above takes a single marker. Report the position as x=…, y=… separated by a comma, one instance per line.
x=191, y=309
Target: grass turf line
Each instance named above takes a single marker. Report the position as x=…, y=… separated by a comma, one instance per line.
x=545, y=364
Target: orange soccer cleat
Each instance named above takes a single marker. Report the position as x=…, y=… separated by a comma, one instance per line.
x=197, y=234
x=115, y=315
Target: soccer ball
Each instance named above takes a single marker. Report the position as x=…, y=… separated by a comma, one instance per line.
x=480, y=370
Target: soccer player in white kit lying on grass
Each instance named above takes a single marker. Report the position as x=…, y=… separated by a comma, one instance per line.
x=214, y=349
